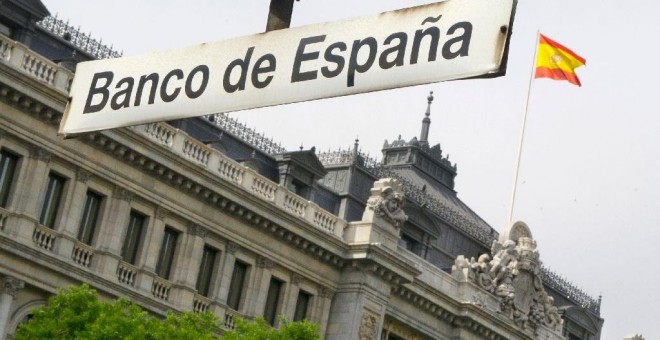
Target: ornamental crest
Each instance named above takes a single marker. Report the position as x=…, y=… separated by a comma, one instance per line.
x=512, y=273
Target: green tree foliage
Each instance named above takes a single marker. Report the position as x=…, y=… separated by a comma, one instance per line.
x=77, y=313
x=260, y=330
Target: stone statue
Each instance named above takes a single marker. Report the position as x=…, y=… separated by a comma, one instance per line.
x=505, y=257
x=387, y=201
x=552, y=317
x=512, y=272
x=481, y=269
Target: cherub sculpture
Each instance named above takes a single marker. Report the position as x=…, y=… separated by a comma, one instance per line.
x=389, y=206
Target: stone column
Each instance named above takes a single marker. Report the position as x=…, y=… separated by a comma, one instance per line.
x=184, y=274
x=255, y=298
x=69, y=228
x=226, y=271
x=29, y=188
x=9, y=287
x=111, y=232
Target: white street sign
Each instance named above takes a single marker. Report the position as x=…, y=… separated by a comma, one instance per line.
x=449, y=40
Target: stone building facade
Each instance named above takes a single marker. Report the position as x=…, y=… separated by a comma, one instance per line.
x=207, y=215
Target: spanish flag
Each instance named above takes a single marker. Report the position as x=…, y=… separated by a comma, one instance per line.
x=557, y=62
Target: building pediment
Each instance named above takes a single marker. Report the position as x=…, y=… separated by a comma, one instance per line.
x=24, y=12
x=581, y=317
x=304, y=159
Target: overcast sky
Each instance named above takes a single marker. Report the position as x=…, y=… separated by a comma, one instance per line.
x=589, y=184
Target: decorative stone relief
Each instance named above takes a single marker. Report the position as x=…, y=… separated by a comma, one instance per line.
x=266, y=263
x=296, y=279
x=161, y=213
x=402, y=330
x=83, y=175
x=123, y=194
x=387, y=201
x=326, y=293
x=10, y=285
x=368, y=327
x=232, y=247
x=197, y=230
x=40, y=154
x=512, y=273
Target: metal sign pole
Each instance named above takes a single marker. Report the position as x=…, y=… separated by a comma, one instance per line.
x=279, y=15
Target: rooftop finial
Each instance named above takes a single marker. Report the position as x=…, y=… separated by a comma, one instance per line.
x=426, y=122
x=430, y=100
x=355, y=147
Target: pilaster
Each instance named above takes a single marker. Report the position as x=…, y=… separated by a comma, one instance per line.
x=187, y=266
x=358, y=307
x=321, y=307
x=226, y=271
x=29, y=190
x=291, y=296
x=9, y=287
x=153, y=239
x=112, y=230
x=69, y=230
x=255, y=300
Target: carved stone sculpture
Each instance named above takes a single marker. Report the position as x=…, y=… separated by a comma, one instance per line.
x=481, y=270
x=513, y=275
x=368, y=327
x=387, y=201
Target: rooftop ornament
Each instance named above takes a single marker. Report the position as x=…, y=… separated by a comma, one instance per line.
x=77, y=38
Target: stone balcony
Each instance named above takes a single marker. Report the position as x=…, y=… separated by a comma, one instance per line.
x=21, y=58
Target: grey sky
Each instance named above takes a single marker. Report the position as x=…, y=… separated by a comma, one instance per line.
x=589, y=185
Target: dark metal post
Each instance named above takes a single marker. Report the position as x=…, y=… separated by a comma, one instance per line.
x=279, y=16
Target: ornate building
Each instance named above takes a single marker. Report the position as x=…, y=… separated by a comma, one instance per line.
x=206, y=214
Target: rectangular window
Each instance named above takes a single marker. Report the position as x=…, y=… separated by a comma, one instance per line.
x=301, y=305
x=51, y=205
x=90, y=217
x=410, y=244
x=206, y=271
x=133, y=235
x=166, y=256
x=8, y=163
x=272, y=300
x=236, y=285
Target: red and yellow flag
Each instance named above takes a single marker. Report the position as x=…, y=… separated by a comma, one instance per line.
x=557, y=62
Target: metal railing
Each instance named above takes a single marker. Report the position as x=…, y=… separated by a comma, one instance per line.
x=571, y=291
x=248, y=135
x=77, y=38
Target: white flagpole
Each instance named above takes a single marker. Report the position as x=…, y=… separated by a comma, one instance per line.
x=522, y=133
